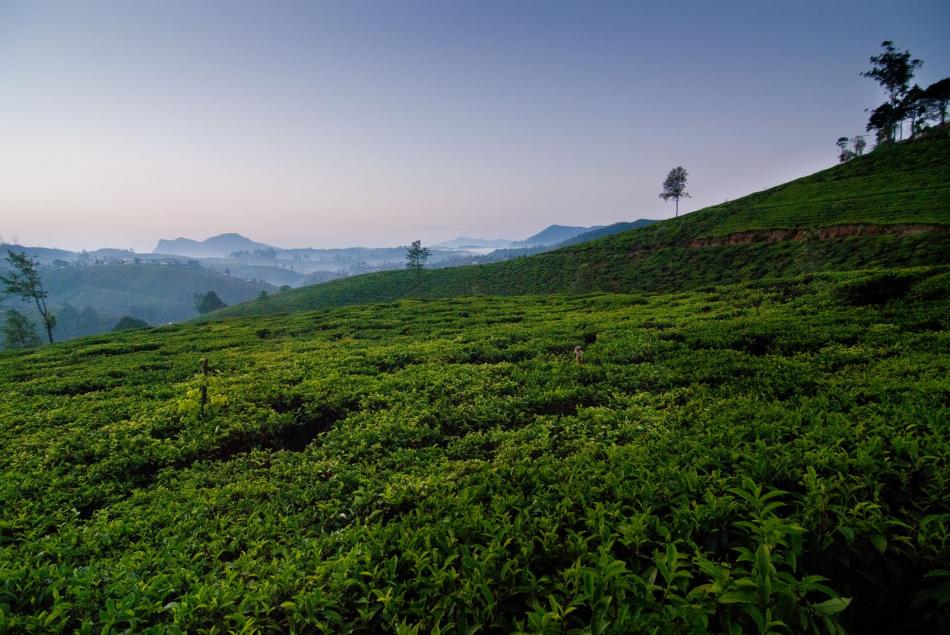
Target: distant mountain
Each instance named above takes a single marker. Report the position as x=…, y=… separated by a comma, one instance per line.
x=609, y=230
x=552, y=235
x=480, y=243
x=214, y=247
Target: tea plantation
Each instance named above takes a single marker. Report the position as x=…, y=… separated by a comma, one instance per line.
x=761, y=457
x=889, y=208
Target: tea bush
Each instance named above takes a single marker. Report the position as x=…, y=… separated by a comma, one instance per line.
x=761, y=457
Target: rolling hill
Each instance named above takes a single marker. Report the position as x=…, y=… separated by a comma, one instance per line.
x=758, y=430
x=155, y=293
x=890, y=207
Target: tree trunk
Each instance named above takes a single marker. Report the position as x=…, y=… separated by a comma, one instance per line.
x=677, y=200
x=49, y=330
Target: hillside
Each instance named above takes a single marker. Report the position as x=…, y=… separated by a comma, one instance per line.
x=156, y=293
x=444, y=466
x=609, y=230
x=552, y=235
x=888, y=208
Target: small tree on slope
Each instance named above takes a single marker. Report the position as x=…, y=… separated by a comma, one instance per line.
x=416, y=258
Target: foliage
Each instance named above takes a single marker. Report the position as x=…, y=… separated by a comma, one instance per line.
x=18, y=331
x=23, y=281
x=892, y=69
x=770, y=456
x=936, y=96
x=128, y=322
x=208, y=302
x=674, y=186
x=416, y=258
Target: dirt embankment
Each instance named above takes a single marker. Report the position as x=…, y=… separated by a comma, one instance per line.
x=816, y=233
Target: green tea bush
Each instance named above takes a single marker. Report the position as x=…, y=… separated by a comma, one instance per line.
x=739, y=459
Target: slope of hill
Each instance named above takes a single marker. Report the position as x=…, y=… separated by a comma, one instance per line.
x=552, y=235
x=445, y=466
x=154, y=293
x=214, y=247
x=479, y=243
x=888, y=208
x=609, y=230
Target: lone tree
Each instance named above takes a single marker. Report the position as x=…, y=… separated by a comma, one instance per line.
x=18, y=331
x=674, y=187
x=208, y=302
x=893, y=69
x=24, y=281
x=416, y=258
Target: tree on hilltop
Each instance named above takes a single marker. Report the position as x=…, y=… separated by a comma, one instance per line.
x=24, y=281
x=857, y=145
x=674, y=187
x=936, y=96
x=893, y=69
x=844, y=153
x=416, y=258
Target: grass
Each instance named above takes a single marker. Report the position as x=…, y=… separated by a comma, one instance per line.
x=899, y=184
x=726, y=457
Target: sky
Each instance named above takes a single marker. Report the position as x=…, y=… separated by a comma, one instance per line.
x=330, y=124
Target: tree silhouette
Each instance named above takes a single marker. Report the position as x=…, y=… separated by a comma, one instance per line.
x=416, y=258
x=843, y=152
x=24, y=281
x=937, y=95
x=893, y=69
x=674, y=187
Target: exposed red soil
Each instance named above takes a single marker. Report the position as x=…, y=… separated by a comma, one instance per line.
x=818, y=233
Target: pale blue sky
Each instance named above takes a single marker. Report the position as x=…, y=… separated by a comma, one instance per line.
x=340, y=123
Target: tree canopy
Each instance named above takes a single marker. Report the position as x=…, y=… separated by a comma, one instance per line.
x=18, y=331
x=208, y=302
x=674, y=186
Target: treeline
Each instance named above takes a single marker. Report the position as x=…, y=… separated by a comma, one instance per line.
x=907, y=104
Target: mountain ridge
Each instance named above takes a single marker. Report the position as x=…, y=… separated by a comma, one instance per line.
x=215, y=246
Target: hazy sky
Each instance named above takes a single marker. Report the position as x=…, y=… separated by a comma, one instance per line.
x=374, y=123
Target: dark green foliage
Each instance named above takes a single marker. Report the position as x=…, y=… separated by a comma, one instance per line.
x=128, y=322
x=892, y=69
x=726, y=458
x=936, y=97
x=23, y=281
x=18, y=331
x=416, y=258
x=208, y=302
